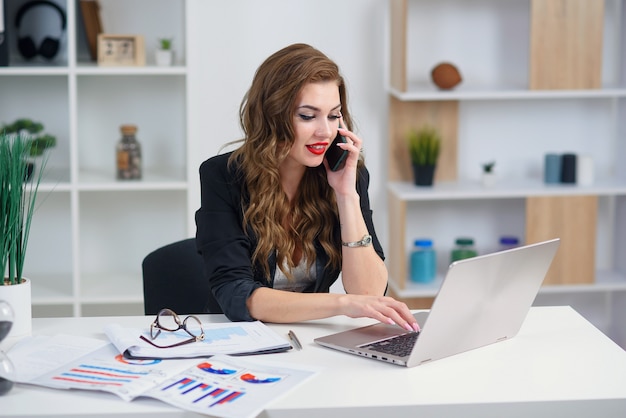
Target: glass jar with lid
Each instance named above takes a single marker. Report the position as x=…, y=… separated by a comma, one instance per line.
x=128, y=154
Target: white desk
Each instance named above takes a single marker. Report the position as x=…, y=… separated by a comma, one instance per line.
x=559, y=365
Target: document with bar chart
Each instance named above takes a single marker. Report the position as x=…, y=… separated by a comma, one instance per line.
x=226, y=386
x=221, y=386
x=239, y=338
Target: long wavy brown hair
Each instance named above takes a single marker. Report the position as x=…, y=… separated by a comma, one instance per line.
x=266, y=116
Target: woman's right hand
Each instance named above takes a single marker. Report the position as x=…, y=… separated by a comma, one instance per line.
x=382, y=308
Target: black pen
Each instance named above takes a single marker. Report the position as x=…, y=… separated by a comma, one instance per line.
x=294, y=340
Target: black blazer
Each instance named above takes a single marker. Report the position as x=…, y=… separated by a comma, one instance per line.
x=227, y=250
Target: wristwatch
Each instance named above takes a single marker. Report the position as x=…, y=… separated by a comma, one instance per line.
x=364, y=242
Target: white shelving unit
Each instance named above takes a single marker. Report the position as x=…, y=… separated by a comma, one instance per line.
x=501, y=119
x=91, y=232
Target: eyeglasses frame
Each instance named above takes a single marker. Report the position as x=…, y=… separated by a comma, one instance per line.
x=155, y=325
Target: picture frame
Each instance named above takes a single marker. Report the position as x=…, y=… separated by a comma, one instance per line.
x=121, y=50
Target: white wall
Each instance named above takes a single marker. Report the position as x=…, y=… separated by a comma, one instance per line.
x=228, y=40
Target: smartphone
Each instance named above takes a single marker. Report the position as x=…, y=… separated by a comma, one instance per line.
x=336, y=156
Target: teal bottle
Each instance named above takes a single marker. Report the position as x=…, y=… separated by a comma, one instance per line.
x=423, y=261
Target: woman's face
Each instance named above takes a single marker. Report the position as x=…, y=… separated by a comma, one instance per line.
x=315, y=122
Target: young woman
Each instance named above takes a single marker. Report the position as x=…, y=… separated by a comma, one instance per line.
x=276, y=226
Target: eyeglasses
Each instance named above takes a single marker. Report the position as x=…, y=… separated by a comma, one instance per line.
x=168, y=320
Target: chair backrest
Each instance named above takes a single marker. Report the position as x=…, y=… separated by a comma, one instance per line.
x=173, y=277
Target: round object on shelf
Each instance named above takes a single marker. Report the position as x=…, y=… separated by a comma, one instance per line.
x=446, y=76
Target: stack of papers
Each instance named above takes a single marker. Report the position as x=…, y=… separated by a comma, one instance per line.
x=234, y=338
x=221, y=386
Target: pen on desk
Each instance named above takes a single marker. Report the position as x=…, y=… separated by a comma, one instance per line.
x=294, y=340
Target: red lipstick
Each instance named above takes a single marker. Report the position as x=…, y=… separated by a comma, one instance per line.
x=318, y=148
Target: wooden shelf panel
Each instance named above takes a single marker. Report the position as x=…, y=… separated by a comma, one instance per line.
x=566, y=44
x=573, y=219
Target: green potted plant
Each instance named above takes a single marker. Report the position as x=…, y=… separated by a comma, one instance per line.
x=38, y=140
x=424, y=148
x=17, y=206
x=164, y=54
x=488, y=175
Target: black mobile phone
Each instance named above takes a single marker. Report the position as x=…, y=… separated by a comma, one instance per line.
x=336, y=156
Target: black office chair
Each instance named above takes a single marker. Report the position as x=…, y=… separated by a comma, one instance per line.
x=173, y=277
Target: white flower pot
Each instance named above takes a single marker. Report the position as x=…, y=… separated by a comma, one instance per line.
x=489, y=179
x=19, y=297
x=164, y=58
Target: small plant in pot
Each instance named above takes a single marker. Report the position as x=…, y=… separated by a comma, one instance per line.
x=164, y=54
x=424, y=147
x=488, y=175
x=17, y=206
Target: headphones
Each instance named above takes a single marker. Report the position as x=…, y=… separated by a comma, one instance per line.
x=49, y=46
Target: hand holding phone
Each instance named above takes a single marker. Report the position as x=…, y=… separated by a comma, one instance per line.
x=336, y=156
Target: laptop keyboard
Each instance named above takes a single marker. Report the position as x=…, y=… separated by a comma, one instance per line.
x=400, y=345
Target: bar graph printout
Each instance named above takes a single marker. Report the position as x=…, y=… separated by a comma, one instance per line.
x=229, y=386
x=221, y=385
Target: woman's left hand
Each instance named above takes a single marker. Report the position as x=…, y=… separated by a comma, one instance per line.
x=343, y=181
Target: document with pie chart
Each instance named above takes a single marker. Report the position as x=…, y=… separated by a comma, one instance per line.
x=221, y=385
x=225, y=386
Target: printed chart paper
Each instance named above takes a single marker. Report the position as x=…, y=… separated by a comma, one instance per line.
x=228, y=386
x=234, y=338
x=221, y=386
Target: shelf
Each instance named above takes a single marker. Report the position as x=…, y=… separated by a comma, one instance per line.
x=34, y=71
x=162, y=179
x=429, y=92
x=605, y=282
x=111, y=288
x=57, y=180
x=91, y=69
x=415, y=290
x=460, y=190
x=535, y=81
x=85, y=69
x=51, y=289
x=89, y=226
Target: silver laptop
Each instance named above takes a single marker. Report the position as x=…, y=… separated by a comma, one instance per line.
x=482, y=300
